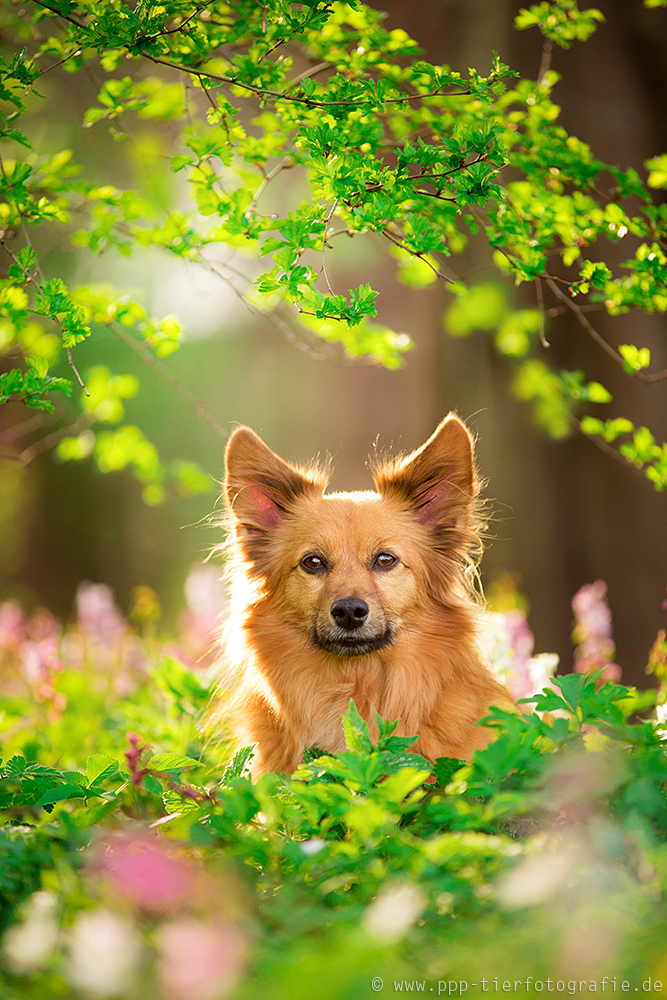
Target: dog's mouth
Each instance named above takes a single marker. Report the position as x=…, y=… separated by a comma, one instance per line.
x=344, y=644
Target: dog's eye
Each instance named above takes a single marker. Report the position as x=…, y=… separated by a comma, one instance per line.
x=384, y=560
x=313, y=564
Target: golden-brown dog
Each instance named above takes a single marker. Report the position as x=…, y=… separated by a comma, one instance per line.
x=361, y=596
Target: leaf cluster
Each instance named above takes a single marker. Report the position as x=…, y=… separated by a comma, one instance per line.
x=386, y=145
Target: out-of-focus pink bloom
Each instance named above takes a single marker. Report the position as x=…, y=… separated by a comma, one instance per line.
x=146, y=873
x=507, y=645
x=133, y=665
x=43, y=625
x=12, y=625
x=522, y=642
x=593, y=632
x=38, y=659
x=199, y=961
x=200, y=623
x=98, y=616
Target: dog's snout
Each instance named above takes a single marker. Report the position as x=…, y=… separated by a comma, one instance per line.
x=349, y=613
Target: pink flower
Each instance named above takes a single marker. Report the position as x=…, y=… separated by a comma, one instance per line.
x=12, y=625
x=593, y=632
x=147, y=873
x=133, y=757
x=200, y=623
x=38, y=660
x=98, y=616
x=43, y=625
x=199, y=961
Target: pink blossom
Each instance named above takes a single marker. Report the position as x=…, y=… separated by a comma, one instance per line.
x=200, y=623
x=593, y=632
x=133, y=757
x=12, y=625
x=522, y=642
x=199, y=961
x=147, y=873
x=42, y=625
x=98, y=616
x=38, y=660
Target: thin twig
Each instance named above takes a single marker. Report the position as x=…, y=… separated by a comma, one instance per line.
x=72, y=55
x=165, y=373
x=278, y=95
x=588, y=326
x=545, y=62
x=607, y=448
x=446, y=173
x=22, y=430
x=67, y=17
x=421, y=256
x=179, y=27
x=540, y=306
x=431, y=194
x=284, y=165
x=325, y=244
x=29, y=454
x=272, y=317
x=295, y=81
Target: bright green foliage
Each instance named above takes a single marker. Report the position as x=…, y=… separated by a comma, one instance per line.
x=367, y=863
x=561, y=22
x=295, y=127
x=31, y=386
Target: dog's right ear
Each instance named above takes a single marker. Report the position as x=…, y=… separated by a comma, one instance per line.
x=260, y=487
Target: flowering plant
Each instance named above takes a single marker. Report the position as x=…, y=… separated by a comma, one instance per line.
x=138, y=860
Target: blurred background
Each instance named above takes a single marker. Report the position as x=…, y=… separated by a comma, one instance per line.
x=565, y=514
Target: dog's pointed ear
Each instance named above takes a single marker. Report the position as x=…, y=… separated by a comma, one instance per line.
x=259, y=486
x=438, y=481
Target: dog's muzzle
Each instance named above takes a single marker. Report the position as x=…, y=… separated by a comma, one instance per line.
x=349, y=631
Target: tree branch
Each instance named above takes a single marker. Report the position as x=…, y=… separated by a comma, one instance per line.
x=421, y=257
x=588, y=326
x=67, y=17
x=325, y=244
x=607, y=448
x=278, y=95
x=168, y=376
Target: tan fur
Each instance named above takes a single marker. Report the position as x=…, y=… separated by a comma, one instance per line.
x=414, y=656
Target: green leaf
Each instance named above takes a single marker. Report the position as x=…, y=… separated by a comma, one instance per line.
x=171, y=762
x=356, y=731
x=238, y=765
x=99, y=767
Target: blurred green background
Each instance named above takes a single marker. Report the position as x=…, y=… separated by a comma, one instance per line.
x=564, y=513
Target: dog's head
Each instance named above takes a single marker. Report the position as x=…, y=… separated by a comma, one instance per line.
x=347, y=569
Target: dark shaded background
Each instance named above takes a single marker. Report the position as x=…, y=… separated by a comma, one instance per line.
x=565, y=514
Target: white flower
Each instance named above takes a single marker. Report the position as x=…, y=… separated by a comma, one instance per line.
x=394, y=911
x=27, y=946
x=104, y=953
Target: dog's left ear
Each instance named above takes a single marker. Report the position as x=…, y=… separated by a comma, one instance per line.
x=438, y=481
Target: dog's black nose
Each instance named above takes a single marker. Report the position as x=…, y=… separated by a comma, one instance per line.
x=349, y=613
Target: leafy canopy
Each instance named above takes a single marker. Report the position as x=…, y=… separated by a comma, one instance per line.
x=297, y=126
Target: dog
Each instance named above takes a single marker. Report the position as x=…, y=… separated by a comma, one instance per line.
x=364, y=596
